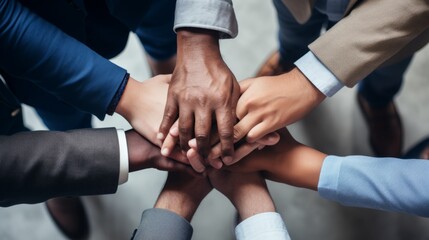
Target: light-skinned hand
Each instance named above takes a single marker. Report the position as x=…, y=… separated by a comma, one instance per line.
x=142, y=105
x=270, y=103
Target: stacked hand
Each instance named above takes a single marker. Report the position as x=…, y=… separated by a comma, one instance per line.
x=266, y=104
x=143, y=154
x=287, y=162
x=202, y=90
x=183, y=193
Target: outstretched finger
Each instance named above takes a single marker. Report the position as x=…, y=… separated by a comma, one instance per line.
x=270, y=139
x=171, y=140
x=203, y=123
x=245, y=84
x=225, y=125
x=259, y=130
x=240, y=131
x=170, y=116
x=186, y=127
x=195, y=160
x=246, y=148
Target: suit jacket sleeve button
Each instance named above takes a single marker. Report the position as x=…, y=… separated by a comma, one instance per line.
x=15, y=112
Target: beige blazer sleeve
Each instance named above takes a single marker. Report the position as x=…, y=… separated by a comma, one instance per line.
x=36, y=166
x=373, y=32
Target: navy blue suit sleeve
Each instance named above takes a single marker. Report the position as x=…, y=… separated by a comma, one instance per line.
x=35, y=50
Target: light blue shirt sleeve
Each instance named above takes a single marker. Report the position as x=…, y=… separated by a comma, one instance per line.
x=262, y=226
x=319, y=75
x=215, y=15
x=388, y=184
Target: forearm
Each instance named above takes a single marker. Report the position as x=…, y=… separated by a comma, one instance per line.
x=183, y=193
x=197, y=45
x=300, y=167
x=178, y=203
x=253, y=199
x=36, y=50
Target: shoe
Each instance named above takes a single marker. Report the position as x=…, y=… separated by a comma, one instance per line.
x=385, y=128
x=419, y=151
x=273, y=66
x=70, y=216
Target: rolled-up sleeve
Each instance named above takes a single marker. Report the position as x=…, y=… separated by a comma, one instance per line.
x=215, y=15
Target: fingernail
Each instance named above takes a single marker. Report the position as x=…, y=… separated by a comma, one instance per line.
x=165, y=152
x=174, y=131
x=160, y=136
x=192, y=143
x=227, y=160
x=217, y=164
x=261, y=147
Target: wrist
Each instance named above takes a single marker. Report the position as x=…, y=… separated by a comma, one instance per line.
x=115, y=100
x=128, y=97
x=311, y=91
x=311, y=166
x=251, y=200
x=199, y=43
x=133, y=151
x=178, y=203
x=304, y=166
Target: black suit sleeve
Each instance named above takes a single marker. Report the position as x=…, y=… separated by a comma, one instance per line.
x=36, y=166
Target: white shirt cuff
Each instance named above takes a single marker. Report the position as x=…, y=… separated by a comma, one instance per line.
x=123, y=157
x=262, y=226
x=319, y=75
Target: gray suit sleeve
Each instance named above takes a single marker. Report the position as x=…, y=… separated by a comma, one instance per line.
x=215, y=15
x=161, y=224
x=36, y=166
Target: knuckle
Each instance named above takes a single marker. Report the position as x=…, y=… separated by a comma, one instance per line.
x=202, y=138
x=226, y=132
x=184, y=130
x=169, y=113
x=237, y=133
x=227, y=135
x=201, y=100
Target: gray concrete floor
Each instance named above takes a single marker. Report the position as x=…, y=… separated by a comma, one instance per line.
x=335, y=127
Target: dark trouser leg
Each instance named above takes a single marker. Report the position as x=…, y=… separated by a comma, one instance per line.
x=380, y=87
x=375, y=97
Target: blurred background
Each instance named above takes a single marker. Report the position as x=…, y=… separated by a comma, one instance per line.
x=335, y=127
